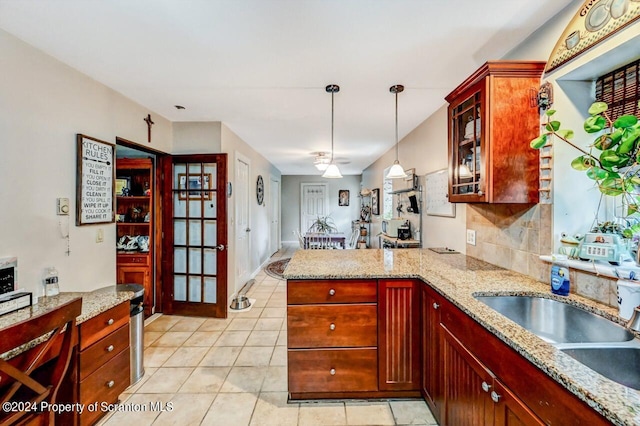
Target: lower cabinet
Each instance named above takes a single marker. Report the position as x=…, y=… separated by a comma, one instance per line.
x=431, y=344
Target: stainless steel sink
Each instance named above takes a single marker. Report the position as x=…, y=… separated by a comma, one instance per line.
x=556, y=321
x=620, y=364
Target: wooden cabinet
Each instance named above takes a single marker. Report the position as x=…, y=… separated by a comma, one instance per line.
x=135, y=226
x=431, y=346
x=332, y=337
x=399, y=335
x=491, y=121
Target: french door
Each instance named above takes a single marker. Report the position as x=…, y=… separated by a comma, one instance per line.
x=194, y=261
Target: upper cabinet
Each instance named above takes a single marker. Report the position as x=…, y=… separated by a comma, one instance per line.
x=491, y=122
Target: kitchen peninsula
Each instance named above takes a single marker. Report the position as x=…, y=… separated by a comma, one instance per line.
x=393, y=323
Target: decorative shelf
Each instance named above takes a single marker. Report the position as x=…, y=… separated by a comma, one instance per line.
x=597, y=267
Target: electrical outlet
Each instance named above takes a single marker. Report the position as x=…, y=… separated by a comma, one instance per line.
x=62, y=206
x=100, y=235
x=471, y=237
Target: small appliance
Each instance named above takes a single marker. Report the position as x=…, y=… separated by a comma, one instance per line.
x=404, y=232
x=390, y=227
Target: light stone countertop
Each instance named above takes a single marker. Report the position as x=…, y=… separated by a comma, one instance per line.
x=93, y=303
x=458, y=278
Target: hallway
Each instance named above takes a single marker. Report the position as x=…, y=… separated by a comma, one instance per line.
x=233, y=372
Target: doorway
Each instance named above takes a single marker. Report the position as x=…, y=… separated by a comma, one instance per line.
x=274, y=214
x=242, y=218
x=313, y=203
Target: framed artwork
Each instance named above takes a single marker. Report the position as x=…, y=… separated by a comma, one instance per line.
x=94, y=181
x=193, y=187
x=123, y=186
x=375, y=201
x=343, y=197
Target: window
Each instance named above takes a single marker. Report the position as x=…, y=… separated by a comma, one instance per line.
x=620, y=90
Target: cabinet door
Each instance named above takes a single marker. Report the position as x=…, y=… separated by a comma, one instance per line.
x=467, y=400
x=138, y=275
x=398, y=335
x=509, y=410
x=431, y=345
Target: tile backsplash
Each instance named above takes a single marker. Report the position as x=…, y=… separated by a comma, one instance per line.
x=513, y=236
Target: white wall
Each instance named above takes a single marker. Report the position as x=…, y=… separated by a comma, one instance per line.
x=259, y=215
x=197, y=137
x=43, y=104
x=341, y=215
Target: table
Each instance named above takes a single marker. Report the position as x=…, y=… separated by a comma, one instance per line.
x=317, y=240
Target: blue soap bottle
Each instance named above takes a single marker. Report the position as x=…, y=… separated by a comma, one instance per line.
x=560, y=280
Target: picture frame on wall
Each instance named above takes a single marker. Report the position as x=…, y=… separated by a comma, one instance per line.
x=343, y=197
x=95, y=181
x=375, y=201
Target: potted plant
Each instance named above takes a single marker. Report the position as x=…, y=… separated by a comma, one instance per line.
x=323, y=225
x=612, y=160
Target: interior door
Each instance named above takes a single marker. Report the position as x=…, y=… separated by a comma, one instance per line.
x=274, y=209
x=313, y=204
x=242, y=218
x=195, y=235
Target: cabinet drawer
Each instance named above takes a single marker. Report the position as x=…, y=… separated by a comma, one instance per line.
x=103, y=324
x=333, y=370
x=103, y=350
x=331, y=291
x=104, y=385
x=313, y=326
x=133, y=259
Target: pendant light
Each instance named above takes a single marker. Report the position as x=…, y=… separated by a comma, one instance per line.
x=396, y=171
x=332, y=171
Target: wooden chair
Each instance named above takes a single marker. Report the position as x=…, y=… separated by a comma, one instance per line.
x=21, y=379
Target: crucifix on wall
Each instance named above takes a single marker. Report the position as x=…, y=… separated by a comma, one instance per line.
x=149, y=124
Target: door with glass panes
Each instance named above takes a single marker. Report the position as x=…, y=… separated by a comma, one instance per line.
x=195, y=235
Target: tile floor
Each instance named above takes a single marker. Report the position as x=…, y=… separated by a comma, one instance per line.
x=233, y=372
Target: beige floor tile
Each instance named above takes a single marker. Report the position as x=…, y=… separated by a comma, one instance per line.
x=231, y=409
x=233, y=338
x=282, y=338
x=164, y=323
x=269, y=324
x=205, y=380
x=274, y=313
x=369, y=413
x=221, y=356
x=187, y=409
x=186, y=357
x=145, y=415
x=262, y=338
x=172, y=338
x=412, y=413
x=279, y=356
x=148, y=372
x=188, y=324
x=242, y=324
x=203, y=338
x=251, y=313
x=151, y=336
x=322, y=414
x=214, y=324
x=275, y=380
x=272, y=409
x=155, y=356
x=260, y=302
x=244, y=379
x=254, y=356
x=166, y=380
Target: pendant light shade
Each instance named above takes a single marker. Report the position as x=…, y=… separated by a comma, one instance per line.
x=332, y=171
x=396, y=171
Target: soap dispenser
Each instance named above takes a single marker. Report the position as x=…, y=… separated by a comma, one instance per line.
x=559, y=277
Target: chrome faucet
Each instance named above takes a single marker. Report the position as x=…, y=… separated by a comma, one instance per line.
x=634, y=323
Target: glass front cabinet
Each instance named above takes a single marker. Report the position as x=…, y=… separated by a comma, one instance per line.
x=492, y=118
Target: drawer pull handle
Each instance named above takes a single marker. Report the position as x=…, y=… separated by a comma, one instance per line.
x=110, y=348
x=486, y=386
x=110, y=383
x=332, y=327
x=332, y=371
x=110, y=322
x=332, y=292
x=495, y=397
x=435, y=305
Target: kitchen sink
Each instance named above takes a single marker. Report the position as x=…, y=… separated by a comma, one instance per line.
x=557, y=322
x=620, y=364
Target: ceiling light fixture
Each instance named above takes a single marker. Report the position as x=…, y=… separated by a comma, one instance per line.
x=396, y=171
x=332, y=171
x=321, y=161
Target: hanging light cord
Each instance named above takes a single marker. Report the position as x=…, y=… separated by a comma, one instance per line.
x=332, y=92
x=397, y=149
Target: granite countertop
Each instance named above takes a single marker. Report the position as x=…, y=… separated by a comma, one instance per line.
x=458, y=278
x=93, y=303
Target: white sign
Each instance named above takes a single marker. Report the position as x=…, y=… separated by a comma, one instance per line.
x=94, y=198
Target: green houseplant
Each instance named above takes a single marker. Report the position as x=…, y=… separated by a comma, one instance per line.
x=612, y=160
x=324, y=225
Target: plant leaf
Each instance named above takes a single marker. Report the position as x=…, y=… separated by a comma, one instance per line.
x=610, y=158
x=611, y=186
x=550, y=112
x=598, y=108
x=553, y=125
x=603, y=142
x=565, y=133
x=594, y=124
x=584, y=162
x=596, y=173
x=625, y=121
x=539, y=142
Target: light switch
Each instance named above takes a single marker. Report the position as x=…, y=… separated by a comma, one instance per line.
x=62, y=207
x=99, y=235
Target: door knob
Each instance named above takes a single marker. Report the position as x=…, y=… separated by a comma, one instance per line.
x=248, y=230
x=220, y=247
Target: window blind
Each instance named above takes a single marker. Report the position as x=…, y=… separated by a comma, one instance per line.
x=620, y=89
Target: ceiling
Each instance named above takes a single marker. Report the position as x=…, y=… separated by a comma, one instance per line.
x=261, y=66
